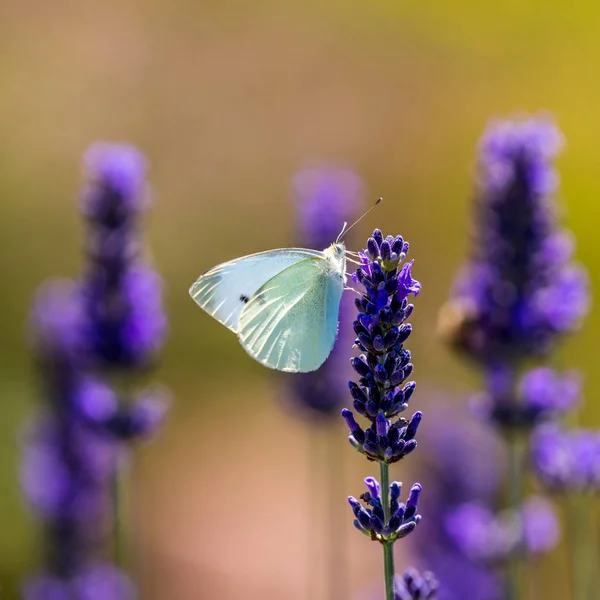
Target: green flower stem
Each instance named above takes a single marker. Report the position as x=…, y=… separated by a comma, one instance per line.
x=514, y=575
x=337, y=571
x=594, y=578
x=116, y=493
x=388, y=548
x=582, y=546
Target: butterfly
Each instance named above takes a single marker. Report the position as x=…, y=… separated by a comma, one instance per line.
x=282, y=304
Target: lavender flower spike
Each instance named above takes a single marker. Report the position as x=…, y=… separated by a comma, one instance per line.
x=124, y=322
x=382, y=393
x=520, y=291
x=82, y=332
x=413, y=586
x=567, y=461
x=371, y=519
x=542, y=393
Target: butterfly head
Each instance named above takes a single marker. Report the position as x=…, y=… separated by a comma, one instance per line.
x=336, y=255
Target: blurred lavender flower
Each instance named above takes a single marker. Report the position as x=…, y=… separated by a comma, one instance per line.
x=490, y=538
x=413, y=586
x=519, y=293
x=463, y=462
x=95, y=582
x=111, y=318
x=65, y=469
x=326, y=197
x=123, y=321
x=98, y=407
x=567, y=460
x=520, y=290
x=542, y=394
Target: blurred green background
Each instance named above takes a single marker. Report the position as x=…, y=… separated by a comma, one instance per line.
x=228, y=99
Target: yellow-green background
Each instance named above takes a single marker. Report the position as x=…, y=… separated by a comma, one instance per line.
x=227, y=99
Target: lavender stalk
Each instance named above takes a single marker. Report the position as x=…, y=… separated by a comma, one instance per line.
x=88, y=334
x=381, y=393
x=518, y=294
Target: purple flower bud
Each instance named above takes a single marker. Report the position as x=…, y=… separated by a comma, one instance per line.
x=355, y=429
x=385, y=250
x=360, y=366
x=395, y=490
x=376, y=524
x=413, y=426
x=373, y=487
x=403, y=333
x=357, y=392
x=406, y=529
x=413, y=500
x=412, y=586
x=408, y=390
x=378, y=344
x=382, y=425
x=380, y=373
x=372, y=248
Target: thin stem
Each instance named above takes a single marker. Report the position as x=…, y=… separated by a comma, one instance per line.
x=336, y=522
x=594, y=580
x=533, y=576
x=388, y=549
x=314, y=540
x=581, y=543
x=117, y=510
x=500, y=381
x=514, y=588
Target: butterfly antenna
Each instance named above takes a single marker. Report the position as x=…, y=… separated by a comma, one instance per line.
x=346, y=229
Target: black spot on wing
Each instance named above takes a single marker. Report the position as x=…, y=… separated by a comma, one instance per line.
x=244, y=299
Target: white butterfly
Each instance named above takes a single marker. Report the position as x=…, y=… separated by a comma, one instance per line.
x=282, y=304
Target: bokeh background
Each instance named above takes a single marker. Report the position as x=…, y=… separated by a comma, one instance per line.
x=228, y=99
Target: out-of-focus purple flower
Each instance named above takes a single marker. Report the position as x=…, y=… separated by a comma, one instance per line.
x=123, y=322
x=478, y=534
x=95, y=582
x=55, y=322
x=414, y=586
x=98, y=407
x=117, y=182
x=549, y=391
x=520, y=291
x=463, y=463
x=324, y=198
x=371, y=520
x=489, y=538
x=64, y=471
x=542, y=394
x=567, y=460
x=540, y=527
x=112, y=318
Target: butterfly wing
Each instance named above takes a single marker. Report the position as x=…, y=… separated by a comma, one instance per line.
x=224, y=290
x=290, y=323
